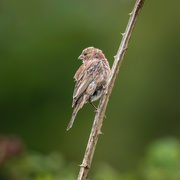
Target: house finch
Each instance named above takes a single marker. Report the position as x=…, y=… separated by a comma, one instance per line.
x=91, y=79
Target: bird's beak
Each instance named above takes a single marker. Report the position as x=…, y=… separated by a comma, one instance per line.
x=81, y=57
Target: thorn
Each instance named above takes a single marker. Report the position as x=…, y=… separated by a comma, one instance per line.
x=125, y=49
x=130, y=13
x=99, y=132
x=122, y=34
x=84, y=165
x=115, y=57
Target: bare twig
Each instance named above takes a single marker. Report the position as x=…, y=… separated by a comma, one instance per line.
x=96, y=129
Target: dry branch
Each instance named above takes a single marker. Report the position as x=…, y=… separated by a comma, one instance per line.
x=96, y=128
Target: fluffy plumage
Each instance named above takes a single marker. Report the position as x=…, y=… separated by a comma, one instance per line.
x=91, y=79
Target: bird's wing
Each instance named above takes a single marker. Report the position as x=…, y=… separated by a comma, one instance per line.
x=79, y=72
x=83, y=82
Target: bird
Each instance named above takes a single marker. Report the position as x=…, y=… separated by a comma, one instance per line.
x=91, y=80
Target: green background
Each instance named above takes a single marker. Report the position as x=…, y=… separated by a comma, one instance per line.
x=39, y=45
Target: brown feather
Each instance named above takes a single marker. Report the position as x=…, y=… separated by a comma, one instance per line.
x=91, y=78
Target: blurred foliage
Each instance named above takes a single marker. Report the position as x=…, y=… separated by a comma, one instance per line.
x=35, y=166
x=40, y=43
x=161, y=162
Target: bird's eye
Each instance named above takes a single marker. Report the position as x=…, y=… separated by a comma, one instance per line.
x=85, y=54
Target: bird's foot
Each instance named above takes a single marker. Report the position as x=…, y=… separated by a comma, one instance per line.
x=96, y=110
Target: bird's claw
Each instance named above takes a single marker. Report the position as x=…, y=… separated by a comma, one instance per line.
x=96, y=110
x=104, y=87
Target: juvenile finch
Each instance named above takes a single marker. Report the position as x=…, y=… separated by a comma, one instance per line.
x=91, y=79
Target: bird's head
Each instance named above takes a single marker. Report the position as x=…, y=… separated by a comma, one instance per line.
x=91, y=53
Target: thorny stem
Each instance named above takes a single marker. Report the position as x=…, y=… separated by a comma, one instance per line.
x=96, y=128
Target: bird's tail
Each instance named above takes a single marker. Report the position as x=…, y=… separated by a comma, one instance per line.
x=76, y=109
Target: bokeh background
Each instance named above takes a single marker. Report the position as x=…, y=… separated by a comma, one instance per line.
x=39, y=45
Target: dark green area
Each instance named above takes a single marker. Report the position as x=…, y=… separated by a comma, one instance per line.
x=40, y=43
